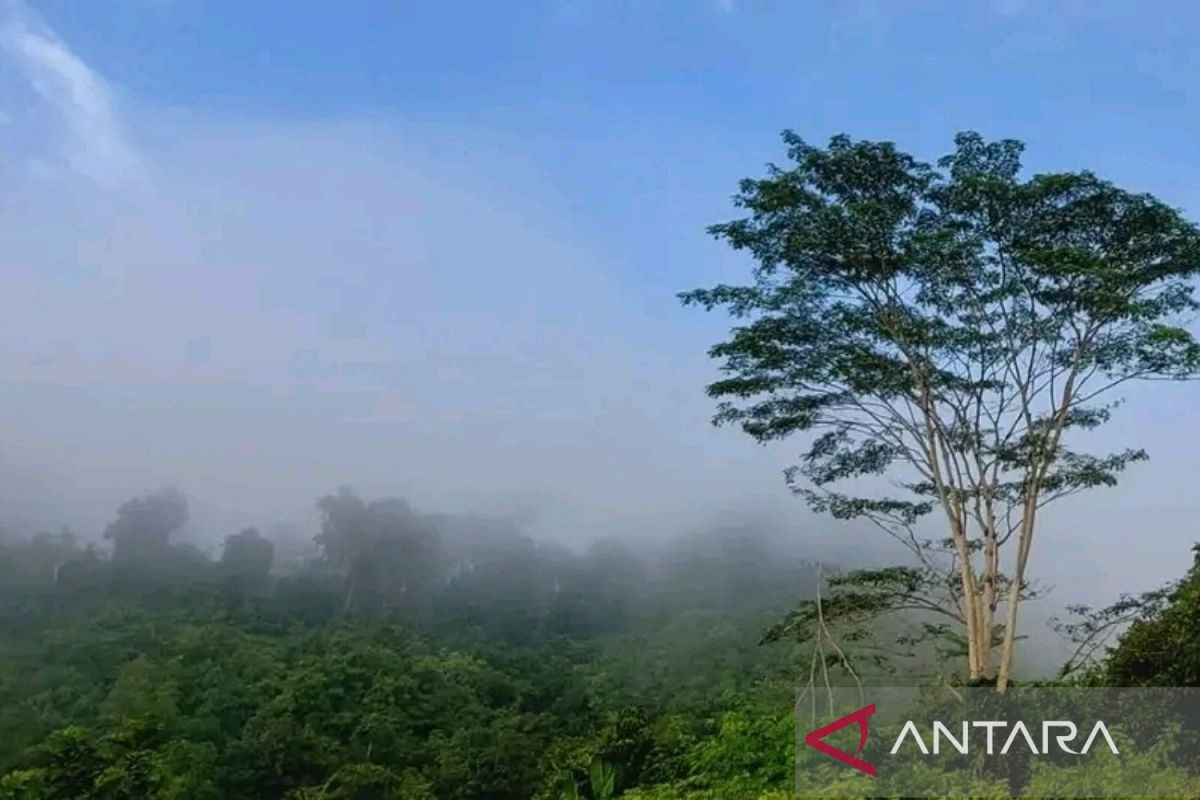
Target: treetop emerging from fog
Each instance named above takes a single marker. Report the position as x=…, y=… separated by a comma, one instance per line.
x=951, y=322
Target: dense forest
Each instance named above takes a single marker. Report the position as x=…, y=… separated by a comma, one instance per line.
x=418, y=655
x=415, y=655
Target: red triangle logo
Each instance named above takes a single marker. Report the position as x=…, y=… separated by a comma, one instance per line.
x=816, y=741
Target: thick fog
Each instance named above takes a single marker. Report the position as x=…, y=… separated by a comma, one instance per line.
x=259, y=310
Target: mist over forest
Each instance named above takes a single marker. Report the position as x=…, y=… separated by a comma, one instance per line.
x=543, y=638
x=553, y=400
x=404, y=653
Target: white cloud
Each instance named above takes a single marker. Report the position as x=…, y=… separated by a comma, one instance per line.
x=93, y=141
x=293, y=306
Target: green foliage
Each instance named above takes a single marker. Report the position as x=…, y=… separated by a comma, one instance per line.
x=749, y=753
x=522, y=671
x=368, y=782
x=1162, y=646
x=880, y=277
x=1138, y=774
x=25, y=784
x=602, y=777
x=182, y=696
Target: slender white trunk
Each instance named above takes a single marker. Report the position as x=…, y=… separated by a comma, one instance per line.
x=1004, y=675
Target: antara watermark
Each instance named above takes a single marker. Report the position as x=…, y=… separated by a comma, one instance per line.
x=1050, y=729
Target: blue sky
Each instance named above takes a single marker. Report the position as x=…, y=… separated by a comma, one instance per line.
x=658, y=106
x=662, y=105
x=431, y=248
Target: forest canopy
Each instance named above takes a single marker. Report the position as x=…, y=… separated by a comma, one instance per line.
x=502, y=667
x=414, y=655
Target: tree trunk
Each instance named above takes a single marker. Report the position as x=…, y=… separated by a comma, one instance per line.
x=1010, y=636
x=1014, y=594
x=976, y=647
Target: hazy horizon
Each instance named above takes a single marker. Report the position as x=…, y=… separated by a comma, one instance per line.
x=260, y=286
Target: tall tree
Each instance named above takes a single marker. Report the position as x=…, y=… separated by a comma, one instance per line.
x=386, y=550
x=142, y=530
x=246, y=560
x=948, y=326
